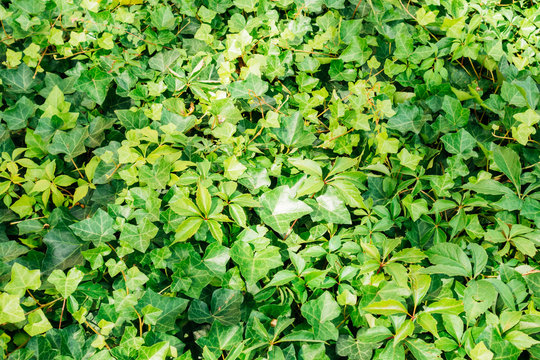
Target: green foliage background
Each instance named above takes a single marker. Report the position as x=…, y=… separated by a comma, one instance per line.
x=269, y=179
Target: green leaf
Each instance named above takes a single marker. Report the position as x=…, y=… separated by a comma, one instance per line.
x=408, y=160
x=98, y=229
x=449, y=260
x=520, y=340
x=22, y=279
x=507, y=160
x=139, y=236
x=422, y=350
x=233, y=168
x=158, y=176
x=163, y=60
x=24, y=206
x=330, y=208
x=10, y=309
x=455, y=114
x=221, y=337
x=445, y=306
x=20, y=80
x=171, y=308
x=163, y=18
x=225, y=306
x=405, y=330
x=386, y=307
x=254, y=265
x=319, y=313
x=246, y=5
x=502, y=349
x=157, y=351
x=187, y=229
x=69, y=143
x=408, y=118
x=63, y=250
x=94, y=83
x=132, y=119
x=477, y=298
x=481, y=352
x=460, y=143
x=204, y=200
x=308, y=166
x=66, y=284
x=17, y=116
x=249, y=88
x=404, y=42
x=293, y=132
x=279, y=208
x=354, y=349
x=392, y=351
x=489, y=187
x=358, y=51
x=479, y=257
x=37, y=323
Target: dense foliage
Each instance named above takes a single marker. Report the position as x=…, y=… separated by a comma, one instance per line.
x=269, y=179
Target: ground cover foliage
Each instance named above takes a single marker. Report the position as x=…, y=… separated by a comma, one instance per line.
x=269, y=179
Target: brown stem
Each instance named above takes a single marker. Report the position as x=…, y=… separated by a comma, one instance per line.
x=97, y=332
x=290, y=230
x=76, y=168
x=62, y=313
x=356, y=8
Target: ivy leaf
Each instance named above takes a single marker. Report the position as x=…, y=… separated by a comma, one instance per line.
x=37, y=323
x=408, y=118
x=139, y=236
x=455, y=114
x=293, y=132
x=357, y=51
x=69, y=143
x=163, y=60
x=171, y=308
x=354, y=349
x=157, y=351
x=221, y=337
x=21, y=279
x=16, y=117
x=330, y=208
x=63, y=250
x=254, y=265
x=10, y=309
x=279, y=208
x=249, y=88
x=20, y=80
x=460, y=143
x=163, y=18
x=94, y=83
x=501, y=348
x=319, y=313
x=404, y=42
x=97, y=229
x=132, y=119
x=158, y=175
x=392, y=351
x=66, y=284
x=225, y=308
